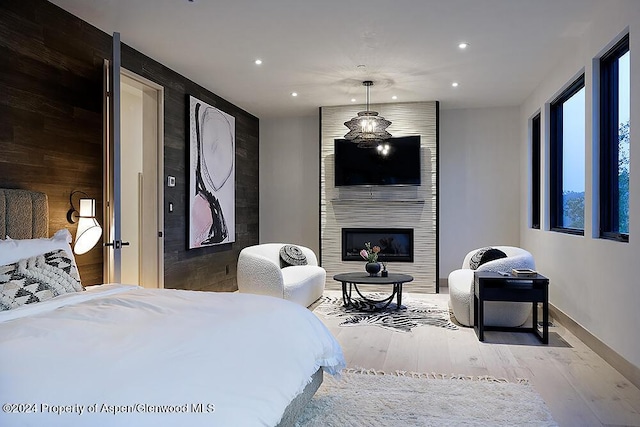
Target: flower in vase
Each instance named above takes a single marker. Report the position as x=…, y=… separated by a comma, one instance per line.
x=370, y=253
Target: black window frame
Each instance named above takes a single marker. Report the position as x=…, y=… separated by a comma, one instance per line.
x=608, y=144
x=536, y=140
x=556, y=208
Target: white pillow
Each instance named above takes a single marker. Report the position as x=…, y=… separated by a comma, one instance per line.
x=15, y=250
x=37, y=279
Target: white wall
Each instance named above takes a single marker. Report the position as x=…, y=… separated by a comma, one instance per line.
x=479, y=182
x=289, y=185
x=594, y=281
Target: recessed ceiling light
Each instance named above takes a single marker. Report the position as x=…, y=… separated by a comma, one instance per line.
x=258, y=61
x=394, y=97
x=294, y=93
x=463, y=45
x=454, y=84
x=353, y=100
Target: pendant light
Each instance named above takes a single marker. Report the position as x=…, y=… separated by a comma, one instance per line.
x=368, y=129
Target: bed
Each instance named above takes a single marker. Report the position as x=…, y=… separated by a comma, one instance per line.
x=122, y=355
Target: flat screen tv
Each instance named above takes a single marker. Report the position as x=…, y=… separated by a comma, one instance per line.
x=371, y=166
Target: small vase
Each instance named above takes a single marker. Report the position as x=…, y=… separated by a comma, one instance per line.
x=372, y=268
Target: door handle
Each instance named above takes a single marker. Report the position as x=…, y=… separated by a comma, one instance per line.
x=117, y=244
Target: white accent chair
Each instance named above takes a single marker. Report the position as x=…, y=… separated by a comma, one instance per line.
x=259, y=273
x=461, y=290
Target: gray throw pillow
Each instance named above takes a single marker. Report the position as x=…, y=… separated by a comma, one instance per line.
x=292, y=255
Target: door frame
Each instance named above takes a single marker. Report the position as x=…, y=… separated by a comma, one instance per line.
x=107, y=272
x=160, y=165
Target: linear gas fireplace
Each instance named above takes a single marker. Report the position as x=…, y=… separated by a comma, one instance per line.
x=396, y=244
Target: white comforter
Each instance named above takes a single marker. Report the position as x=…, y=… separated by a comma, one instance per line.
x=120, y=355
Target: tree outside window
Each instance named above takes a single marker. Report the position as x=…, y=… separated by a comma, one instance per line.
x=614, y=142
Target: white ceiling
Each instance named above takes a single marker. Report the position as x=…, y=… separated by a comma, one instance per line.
x=314, y=47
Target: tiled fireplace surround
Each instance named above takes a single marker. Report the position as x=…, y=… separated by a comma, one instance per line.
x=401, y=207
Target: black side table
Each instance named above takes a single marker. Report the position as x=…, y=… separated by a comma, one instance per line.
x=491, y=286
x=351, y=280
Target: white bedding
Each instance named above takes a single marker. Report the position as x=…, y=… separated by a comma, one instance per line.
x=243, y=357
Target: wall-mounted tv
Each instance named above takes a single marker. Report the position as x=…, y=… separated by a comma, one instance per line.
x=400, y=165
x=371, y=166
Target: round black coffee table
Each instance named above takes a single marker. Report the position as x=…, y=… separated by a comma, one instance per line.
x=352, y=280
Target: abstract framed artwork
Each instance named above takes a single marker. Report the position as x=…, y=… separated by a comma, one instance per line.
x=212, y=175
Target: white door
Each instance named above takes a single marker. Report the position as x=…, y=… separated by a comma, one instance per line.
x=134, y=179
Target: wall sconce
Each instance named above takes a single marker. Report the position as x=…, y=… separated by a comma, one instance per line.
x=89, y=231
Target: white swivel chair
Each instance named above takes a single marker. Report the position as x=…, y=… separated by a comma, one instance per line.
x=260, y=272
x=461, y=289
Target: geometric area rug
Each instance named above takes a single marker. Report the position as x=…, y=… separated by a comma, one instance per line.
x=412, y=313
x=389, y=400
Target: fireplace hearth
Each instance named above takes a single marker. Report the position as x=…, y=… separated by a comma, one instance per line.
x=396, y=244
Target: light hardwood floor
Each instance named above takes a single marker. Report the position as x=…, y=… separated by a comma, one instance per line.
x=579, y=387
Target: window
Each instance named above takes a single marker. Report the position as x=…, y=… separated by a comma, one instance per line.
x=535, y=172
x=567, y=177
x=614, y=142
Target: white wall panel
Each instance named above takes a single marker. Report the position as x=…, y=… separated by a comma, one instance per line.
x=381, y=206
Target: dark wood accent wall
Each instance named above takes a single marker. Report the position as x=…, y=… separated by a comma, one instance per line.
x=51, y=110
x=51, y=135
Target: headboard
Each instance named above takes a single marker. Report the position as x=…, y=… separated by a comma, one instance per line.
x=24, y=214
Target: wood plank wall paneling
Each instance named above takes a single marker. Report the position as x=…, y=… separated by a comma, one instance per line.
x=378, y=206
x=51, y=135
x=51, y=110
